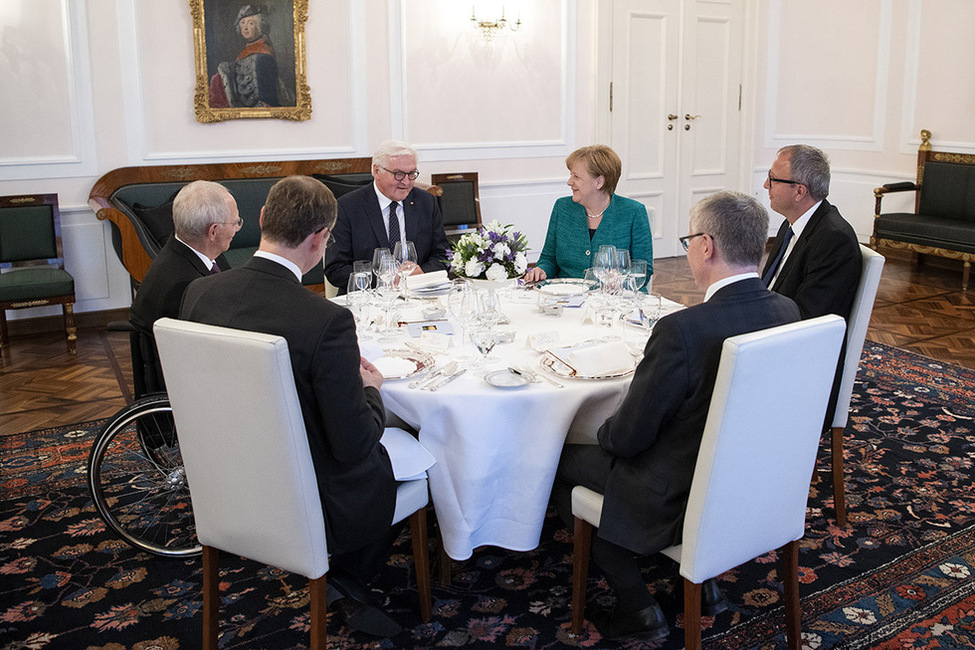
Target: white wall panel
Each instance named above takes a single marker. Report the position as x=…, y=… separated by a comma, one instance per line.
x=159, y=70
x=939, y=94
x=45, y=96
x=456, y=94
x=827, y=73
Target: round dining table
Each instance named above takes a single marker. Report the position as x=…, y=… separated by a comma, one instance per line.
x=497, y=445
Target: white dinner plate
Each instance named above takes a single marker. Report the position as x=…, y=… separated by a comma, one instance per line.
x=401, y=364
x=506, y=379
x=563, y=287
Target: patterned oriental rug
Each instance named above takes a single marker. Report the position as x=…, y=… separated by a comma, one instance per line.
x=901, y=576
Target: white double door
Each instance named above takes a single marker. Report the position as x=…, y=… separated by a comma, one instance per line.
x=676, y=106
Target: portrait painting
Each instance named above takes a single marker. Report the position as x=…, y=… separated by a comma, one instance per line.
x=250, y=60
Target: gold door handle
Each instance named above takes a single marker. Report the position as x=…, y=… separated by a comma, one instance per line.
x=688, y=116
x=672, y=117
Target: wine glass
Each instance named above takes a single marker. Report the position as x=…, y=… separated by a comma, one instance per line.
x=387, y=292
x=636, y=276
x=358, y=293
x=602, y=264
x=462, y=305
x=405, y=255
x=377, y=261
x=621, y=268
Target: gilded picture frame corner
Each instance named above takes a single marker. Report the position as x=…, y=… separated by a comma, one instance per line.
x=241, y=72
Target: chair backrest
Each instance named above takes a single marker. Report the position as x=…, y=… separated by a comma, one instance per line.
x=460, y=202
x=244, y=445
x=856, y=329
x=948, y=191
x=751, y=481
x=30, y=231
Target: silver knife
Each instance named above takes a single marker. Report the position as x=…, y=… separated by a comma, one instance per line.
x=446, y=380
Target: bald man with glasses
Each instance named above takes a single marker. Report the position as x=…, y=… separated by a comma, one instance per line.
x=387, y=211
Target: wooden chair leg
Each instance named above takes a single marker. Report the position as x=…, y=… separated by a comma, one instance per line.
x=839, y=493
x=443, y=560
x=319, y=613
x=421, y=561
x=581, y=541
x=789, y=570
x=692, y=615
x=69, y=329
x=4, y=336
x=966, y=270
x=211, y=597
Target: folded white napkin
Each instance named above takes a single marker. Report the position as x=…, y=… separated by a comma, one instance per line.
x=600, y=359
x=410, y=459
x=426, y=279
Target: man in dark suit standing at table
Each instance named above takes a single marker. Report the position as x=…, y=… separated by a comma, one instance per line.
x=205, y=220
x=337, y=389
x=644, y=462
x=815, y=259
x=364, y=222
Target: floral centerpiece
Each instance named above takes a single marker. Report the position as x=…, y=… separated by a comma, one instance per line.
x=492, y=253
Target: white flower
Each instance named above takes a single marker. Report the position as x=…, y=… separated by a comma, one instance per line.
x=501, y=251
x=521, y=263
x=473, y=268
x=497, y=272
x=457, y=264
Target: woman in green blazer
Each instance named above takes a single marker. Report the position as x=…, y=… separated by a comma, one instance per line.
x=592, y=217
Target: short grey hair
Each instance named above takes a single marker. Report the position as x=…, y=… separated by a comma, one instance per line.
x=199, y=205
x=736, y=222
x=392, y=149
x=809, y=166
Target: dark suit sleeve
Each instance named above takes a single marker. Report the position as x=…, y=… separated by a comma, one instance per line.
x=831, y=276
x=354, y=430
x=658, y=389
x=437, y=260
x=339, y=255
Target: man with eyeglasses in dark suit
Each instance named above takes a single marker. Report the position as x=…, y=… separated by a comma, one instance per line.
x=388, y=210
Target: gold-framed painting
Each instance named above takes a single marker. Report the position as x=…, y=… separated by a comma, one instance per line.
x=250, y=60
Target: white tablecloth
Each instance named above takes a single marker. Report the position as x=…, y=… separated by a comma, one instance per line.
x=497, y=449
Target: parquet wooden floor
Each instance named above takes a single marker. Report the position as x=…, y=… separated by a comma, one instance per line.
x=918, y=309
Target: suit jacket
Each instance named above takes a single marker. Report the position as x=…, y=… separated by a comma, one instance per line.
x=159, y=296
x=568, y=251
x=360, y=230
x=344, y=421
x=823, y=270
x=656, y=433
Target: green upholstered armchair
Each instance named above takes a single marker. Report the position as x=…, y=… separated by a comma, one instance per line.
x=943, y=221
x=31, y=260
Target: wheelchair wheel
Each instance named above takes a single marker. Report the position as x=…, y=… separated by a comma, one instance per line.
x=136, y=477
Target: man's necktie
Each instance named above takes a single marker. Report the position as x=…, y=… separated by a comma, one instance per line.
x=393, y=224
x=767, y=278
x=214, y=269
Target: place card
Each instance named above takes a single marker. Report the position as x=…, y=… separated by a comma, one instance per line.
x=542, y=341
x=418, y=328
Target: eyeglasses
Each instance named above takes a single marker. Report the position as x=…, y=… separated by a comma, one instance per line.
x=686, y=238
x=772, y=179
x=238, y=223
x=398, y=175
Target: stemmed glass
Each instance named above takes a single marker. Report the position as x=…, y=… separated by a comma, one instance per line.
x=358, y=292
x=621, y=268
x=387, y=292
x=602, y=264
x=377, y=261
x=636, y=276
x=405, y=255
x=462, y=305
x=483, y=331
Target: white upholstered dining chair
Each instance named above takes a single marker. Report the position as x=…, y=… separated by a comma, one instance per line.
x=856, y=332
x=248, y=464
x=751, y=481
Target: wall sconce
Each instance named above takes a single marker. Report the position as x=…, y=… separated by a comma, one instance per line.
x=490, y=29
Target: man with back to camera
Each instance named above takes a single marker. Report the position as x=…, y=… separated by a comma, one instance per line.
x=644, y=462
x=205, y=219
x=820, y=261
x=337, y=389
x=364, y=222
